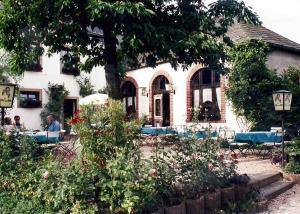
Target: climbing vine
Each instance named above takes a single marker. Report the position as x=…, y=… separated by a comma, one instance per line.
x=251, y=84
x=56, y=96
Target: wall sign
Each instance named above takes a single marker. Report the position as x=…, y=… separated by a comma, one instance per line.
x=7, y=94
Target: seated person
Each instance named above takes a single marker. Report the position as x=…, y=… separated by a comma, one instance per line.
x=17, y=124
x=53, y=124
x=8, y=127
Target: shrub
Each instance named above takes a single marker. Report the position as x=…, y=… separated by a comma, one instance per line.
x=111, y=143
x=251, y=84
x=293, y=152
x=32, y=181
x=85, y=86
x=190, y=168
x=293, y=168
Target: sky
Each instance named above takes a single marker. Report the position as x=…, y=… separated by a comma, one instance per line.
x=280, y=16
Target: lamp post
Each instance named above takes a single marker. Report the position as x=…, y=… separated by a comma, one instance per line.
x=282, y=102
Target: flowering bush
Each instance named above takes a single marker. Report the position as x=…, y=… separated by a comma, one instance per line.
x=32, y=181
x=110, y=142
x=110, y=175
x=192, y=167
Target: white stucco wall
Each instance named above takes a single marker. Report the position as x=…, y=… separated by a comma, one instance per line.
x=51, y=72
x=143, y=77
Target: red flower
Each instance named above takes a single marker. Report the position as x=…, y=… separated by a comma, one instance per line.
x=221, y=156
x=76, y=119
x=76, y=113
x=234, y=155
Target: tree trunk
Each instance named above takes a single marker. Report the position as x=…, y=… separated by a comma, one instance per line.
x=112, y=70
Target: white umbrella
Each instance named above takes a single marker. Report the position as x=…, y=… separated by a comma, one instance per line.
x=94, y=99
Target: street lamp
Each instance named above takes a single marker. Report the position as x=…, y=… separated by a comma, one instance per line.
x=282, y=102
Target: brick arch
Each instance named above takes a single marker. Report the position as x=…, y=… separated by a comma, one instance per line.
x=134, y=82
x=194, y=70
x=151, y=112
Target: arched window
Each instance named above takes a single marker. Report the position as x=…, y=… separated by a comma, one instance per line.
x=206, y=95
x=129, y=97
x=159, y=84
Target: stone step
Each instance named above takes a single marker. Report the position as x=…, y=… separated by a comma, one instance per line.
x=273, y=190
x=258, y=181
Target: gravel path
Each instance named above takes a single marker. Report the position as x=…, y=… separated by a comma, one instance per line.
x=286, y=203
x=255, y=166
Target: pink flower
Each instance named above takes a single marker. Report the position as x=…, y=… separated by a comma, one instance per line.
x=46, y=175
x=152, y=173
x=221, y=156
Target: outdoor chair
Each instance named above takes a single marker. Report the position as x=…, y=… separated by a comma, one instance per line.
x=242, y=147
x=66, y=151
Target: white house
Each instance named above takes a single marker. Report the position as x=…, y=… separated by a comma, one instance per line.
x=165, y=96
x=34, y=83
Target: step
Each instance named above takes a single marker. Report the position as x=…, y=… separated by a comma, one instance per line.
x=273, y=190
x=258, y=181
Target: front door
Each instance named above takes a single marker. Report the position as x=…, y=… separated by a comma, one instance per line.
x=158, y=110
x=161, y=109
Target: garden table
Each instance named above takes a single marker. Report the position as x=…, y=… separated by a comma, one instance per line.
x=257, y=137
x=43, y=137
x=258, y=140
x=202, y=134
x=158, y=130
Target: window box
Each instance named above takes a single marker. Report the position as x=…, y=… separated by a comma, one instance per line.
x=30, y=103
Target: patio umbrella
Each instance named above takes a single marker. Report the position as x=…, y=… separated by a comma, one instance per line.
x=94, y=99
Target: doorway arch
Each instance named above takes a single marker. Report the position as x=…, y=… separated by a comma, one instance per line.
x=161, y=100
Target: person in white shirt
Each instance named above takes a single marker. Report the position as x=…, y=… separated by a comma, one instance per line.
x=8, y=126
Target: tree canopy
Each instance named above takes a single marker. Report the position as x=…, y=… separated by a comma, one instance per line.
x=115, y=34
x=251, y=84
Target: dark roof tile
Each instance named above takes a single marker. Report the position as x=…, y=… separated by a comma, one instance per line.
x=240, y=31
